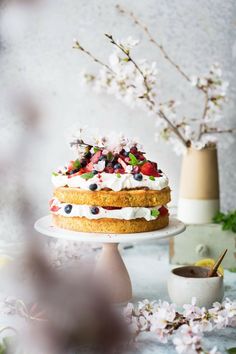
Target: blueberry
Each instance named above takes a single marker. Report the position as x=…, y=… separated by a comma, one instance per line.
x=68, y=208
x=93, y=186
x=138, y=176
x=126, y=153
x=117, y=166
x=102, y=158
x=94, y=210
x=160, y=171
x=95, y=172
x=83, y=162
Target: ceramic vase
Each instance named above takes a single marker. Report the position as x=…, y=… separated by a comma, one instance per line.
x=199, y=186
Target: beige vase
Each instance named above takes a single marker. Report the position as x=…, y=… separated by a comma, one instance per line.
x=199, y=186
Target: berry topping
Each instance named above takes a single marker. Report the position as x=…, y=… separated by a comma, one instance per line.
x=163, y=211
x=126, y=153
x=136, y=169
x=68, y=208
x=138, y=176
x=117, y=165
x=93, y=186
x=89, y=167
x=120, y=170
x=54, y=208
x=94, y=210
x=149, y=169
x=109, y=169
x=96, y=156
x=95, y=172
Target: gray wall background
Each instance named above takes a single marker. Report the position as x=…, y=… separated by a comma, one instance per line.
x=36, y=58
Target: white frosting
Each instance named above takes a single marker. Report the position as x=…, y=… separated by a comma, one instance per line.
x=111, y=181
x=123, y=213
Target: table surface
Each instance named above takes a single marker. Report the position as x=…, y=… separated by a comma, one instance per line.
x=149, y=267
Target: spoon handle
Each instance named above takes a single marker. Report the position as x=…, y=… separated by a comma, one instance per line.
x=213, y=271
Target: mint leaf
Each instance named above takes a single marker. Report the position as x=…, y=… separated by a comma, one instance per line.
x=228, y=220
x=87, y=175
x=54, y=174
x=155, y=213
x=133, y=160
x=152, y=178
x=118, y=175
x=231, y=350
x=77, y=164
x=232, y=270
x=109, y=156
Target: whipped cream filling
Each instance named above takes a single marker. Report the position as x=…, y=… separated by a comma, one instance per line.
x=127, y=213
x=113, y=181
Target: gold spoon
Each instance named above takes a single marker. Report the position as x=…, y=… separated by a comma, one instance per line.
x=213, y=271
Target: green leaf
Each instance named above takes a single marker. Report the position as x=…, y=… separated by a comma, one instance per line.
x=109, y=156
x=152, y=178
x=95, y=149
x=228, y=220
x=133, y=160
x=118, y=175
x=87, y=175
x=155, y=213
x=54, y=174
x=231, y=350
x=77, y=164
x=232, y=270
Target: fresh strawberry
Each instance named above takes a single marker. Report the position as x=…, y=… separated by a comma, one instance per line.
x=136, y=169
x=54, y=208
x=96, y=156
x=90, y=167
x=123, y=164
x=163, y=211
x=70, y=166
x=127, y=160
x=148, y=169
x=81, y=171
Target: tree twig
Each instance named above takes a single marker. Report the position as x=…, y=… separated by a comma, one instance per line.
x=148, y=89
x=136, y=21
x=96, y=60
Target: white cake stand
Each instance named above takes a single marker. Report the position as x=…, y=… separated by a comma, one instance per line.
x=110, y=266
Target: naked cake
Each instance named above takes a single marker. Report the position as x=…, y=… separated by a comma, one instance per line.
x=110, y=190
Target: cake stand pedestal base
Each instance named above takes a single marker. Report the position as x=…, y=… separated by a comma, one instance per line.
x=110, y=268
x=112, y=272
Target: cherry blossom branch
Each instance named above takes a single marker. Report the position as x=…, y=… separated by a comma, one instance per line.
x=218, y=131
x=148, y=89
x=96, y=60
x=137, y=22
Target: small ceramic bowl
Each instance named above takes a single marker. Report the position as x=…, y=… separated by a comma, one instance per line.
x=187, y=282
